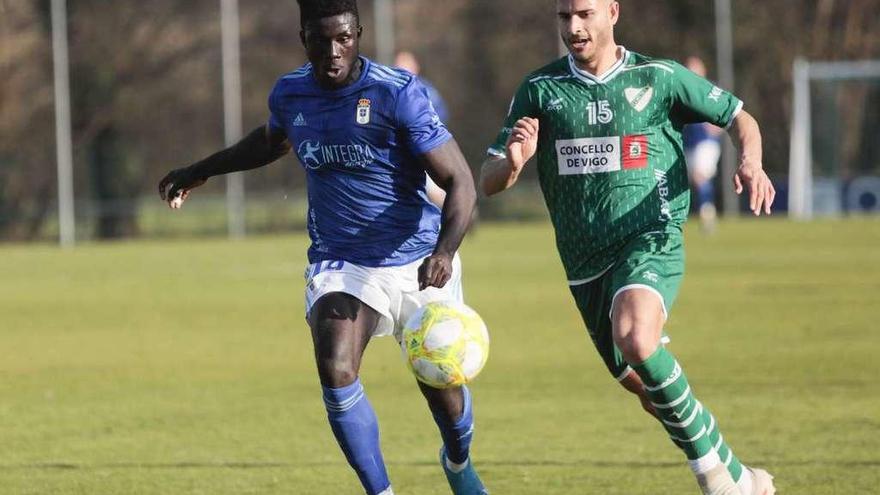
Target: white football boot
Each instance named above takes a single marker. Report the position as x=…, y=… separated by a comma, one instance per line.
x=717, y=481
x=762, y=482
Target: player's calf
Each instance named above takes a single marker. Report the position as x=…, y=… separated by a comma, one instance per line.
x=356, y=428
x=637, y=322
x=341, y=326
x=750, y=481
x=633, y=384
x=453, y=412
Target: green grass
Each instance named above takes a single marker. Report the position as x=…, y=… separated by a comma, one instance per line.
x=185, y=367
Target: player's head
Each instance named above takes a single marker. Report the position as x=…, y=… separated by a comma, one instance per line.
x=407, y=61
x=696, y=65
x=587, y=26
x=331, y=34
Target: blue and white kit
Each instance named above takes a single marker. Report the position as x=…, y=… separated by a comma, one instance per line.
x=359, y=146
x=393, y=291
x=369, y=218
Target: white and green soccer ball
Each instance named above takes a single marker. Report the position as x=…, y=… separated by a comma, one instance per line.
x=445, y=344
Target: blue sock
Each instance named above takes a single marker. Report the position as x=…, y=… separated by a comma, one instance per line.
x=357, y=431
x=457, y=435
x=705, y=193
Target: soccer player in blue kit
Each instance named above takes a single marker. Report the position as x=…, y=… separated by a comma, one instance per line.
x=365, y=135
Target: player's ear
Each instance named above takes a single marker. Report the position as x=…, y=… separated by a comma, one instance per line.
x=614, y=12
x=360, y=31
x=302, y=36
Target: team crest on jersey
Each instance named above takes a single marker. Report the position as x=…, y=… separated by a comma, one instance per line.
x=363, y=111
x=639, y=97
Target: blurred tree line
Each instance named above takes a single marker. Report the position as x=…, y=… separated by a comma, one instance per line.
x=147, y=95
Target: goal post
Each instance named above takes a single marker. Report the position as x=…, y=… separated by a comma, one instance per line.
x=806, y=193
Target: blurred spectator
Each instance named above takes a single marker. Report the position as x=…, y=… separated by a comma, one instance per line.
x=702, y=147
x=407, y=61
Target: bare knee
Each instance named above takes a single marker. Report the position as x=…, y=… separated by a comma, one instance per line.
x=336, y=354
x=637, y=324
x=341, y=328
x=636, y=342
x=336, y=372
x=447, y=404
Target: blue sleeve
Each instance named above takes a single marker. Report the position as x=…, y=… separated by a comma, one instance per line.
x=275, y=121
x=418, y=120
x=438, y=102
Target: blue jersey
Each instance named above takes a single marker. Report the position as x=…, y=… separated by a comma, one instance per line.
x=694, y=134
x=359, y=147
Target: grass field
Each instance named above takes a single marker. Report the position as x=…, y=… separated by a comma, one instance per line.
x=185, y=368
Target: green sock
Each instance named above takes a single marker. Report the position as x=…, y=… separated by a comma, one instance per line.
x=680, y=412
x=724, y=451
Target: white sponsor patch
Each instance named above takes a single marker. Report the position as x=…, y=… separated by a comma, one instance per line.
x=588, y=155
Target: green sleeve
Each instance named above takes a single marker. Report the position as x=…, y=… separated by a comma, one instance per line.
x=522, y=105
x=696, y=99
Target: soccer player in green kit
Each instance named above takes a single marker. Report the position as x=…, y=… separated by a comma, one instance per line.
x=606, y=126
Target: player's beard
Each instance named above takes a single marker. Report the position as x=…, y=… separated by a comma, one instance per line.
x=588, y=56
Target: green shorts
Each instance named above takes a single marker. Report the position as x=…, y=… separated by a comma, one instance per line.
x=653, y=261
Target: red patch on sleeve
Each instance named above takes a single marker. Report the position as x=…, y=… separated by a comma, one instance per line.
x=635, y=152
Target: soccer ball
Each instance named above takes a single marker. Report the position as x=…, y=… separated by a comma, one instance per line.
x=445, y=344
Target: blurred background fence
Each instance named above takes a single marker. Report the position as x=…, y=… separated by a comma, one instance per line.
x=147, y=94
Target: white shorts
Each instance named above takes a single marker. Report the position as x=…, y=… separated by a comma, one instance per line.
x=392, y=291
x=702, y=159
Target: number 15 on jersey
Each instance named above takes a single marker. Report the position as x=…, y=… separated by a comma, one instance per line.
x=599, y=112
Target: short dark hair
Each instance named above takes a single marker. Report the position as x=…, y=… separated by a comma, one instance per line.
x=310, y=10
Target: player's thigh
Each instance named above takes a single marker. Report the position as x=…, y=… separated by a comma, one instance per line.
x=637, y=320
x=594, y=304
x=367, y=285
x=345, y=307
x=338, y=318
x=341, y=326
x=646, y=280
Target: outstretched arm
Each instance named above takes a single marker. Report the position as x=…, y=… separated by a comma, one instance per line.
x=447, y=167
x=499, y=173
x=746, y=136
x=261, y=147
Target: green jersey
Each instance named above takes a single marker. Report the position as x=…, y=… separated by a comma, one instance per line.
x=610, y=157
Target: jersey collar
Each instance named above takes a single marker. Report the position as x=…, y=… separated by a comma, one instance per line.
x=622, y=57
